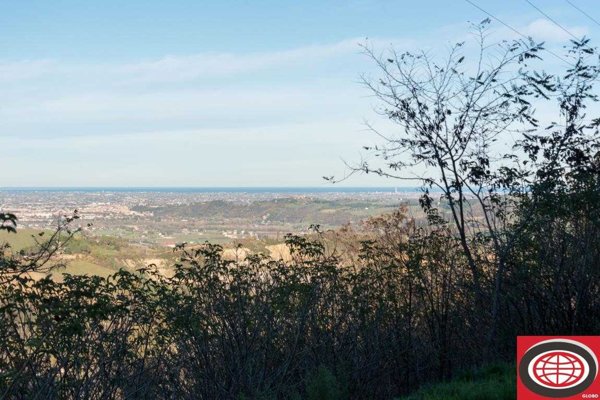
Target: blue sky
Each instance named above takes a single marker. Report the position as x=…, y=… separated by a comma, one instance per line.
x=220, y=93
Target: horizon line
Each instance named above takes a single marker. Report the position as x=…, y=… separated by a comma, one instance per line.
x=204, y=187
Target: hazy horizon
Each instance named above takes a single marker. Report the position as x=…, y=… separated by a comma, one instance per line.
x=333, y=188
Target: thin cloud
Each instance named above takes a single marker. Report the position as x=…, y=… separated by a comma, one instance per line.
x=547, y=31
x=181, y=68
x=25, y=69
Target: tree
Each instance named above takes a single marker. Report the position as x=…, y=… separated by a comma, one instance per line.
x=556, y=256
x=453, y=117
x=8, y=222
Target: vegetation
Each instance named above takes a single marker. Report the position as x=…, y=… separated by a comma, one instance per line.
x=495, y=382
x=370, y=312
x=285, y=210
x=100, y=255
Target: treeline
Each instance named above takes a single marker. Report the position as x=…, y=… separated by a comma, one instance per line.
x=512, y=246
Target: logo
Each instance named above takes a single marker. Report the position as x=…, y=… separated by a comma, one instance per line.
x=558, y=367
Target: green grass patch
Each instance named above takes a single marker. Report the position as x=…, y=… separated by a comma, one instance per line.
x=23, y=239
x=84, y=267
x=494, y=382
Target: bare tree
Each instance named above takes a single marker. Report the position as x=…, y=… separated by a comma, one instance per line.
x=449, y=115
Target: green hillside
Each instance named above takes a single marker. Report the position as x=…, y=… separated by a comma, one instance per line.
x=24, y=238
x=87, y=255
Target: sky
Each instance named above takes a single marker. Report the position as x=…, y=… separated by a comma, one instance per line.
x=217, y=93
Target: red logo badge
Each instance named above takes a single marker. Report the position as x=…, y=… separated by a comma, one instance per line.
x=558, y=367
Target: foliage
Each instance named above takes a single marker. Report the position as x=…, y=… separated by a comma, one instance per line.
x=225, y=329
x=323, y=385
x=496, y=382
x=8, y=222
x=451, y=116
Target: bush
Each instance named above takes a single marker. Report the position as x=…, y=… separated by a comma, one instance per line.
x=323, y=385
x=496, y=382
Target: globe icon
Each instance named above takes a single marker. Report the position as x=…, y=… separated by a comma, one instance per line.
x=559, y=369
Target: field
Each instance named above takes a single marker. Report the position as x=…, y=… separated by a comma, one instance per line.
x=88, y=254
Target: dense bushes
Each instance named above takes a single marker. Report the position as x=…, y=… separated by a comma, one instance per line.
x=255, y=329
x=403, y=313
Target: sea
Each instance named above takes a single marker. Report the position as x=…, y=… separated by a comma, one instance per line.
x=273, y=189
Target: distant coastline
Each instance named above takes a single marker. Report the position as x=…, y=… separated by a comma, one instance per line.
x=291, y=190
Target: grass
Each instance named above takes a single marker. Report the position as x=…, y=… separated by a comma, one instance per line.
x=494, y=382
x=97, y=256
x=21, y=240
x=84, y=267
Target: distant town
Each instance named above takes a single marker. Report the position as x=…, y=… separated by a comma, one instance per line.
x=167, y=217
